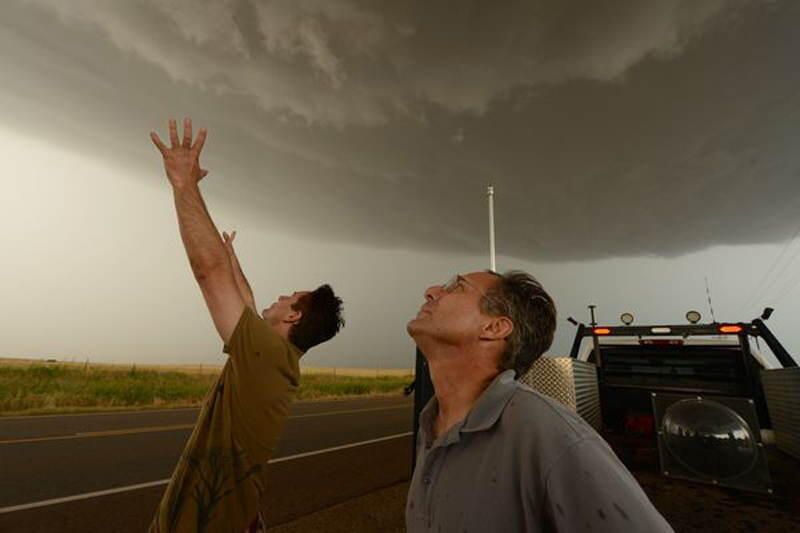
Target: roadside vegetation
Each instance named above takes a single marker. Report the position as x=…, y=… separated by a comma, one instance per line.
x=320, y=386
x=63, y=388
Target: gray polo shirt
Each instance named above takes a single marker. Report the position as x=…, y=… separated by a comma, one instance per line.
x=520, y=461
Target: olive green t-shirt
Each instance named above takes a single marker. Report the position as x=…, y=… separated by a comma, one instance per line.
x=218, y=482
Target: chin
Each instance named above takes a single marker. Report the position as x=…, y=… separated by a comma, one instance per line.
x=413, y=327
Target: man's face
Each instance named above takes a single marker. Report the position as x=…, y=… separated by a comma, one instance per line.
x=281, y=310
x=452, y=313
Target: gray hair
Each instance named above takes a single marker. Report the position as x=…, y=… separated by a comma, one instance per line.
x=520, y=297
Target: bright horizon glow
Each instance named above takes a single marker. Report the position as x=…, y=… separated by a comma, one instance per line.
x=97, y=270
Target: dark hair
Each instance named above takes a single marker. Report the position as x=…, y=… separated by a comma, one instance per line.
x=521, y=298
x=321, y=320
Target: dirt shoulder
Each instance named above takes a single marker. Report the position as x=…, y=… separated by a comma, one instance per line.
x=381, y=510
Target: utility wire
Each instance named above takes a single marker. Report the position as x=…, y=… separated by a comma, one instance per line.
x=777, y=260
x=780, y=274
x=788, y=288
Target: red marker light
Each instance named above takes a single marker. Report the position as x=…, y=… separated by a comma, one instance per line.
x=601, y=331
x=661, y=342
x=730, y=329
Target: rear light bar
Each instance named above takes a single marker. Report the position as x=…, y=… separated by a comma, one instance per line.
x=677, y=331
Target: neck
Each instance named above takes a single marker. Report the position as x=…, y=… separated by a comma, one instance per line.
x=282, y=328
x=459, y=376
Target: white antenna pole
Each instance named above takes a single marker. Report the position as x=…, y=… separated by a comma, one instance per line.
x=490, y=194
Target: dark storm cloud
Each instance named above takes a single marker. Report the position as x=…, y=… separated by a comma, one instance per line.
x=609, y=129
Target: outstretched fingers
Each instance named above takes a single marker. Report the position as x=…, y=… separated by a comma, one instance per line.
x=173, y=133
x=228, y=238
x=200, y=141
x=159, y=144
x=187, y=133
x=187, y=137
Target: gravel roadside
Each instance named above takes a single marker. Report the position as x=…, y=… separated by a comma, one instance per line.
x=381, y=510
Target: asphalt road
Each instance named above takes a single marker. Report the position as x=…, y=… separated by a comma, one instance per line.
x=46, y=459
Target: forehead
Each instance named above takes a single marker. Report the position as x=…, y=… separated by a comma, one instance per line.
x=299, y=294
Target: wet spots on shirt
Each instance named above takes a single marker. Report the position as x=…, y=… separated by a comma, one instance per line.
x=587, y=474
x=620, y=511
x=559, y=509
x=411, y=504
x=601, y=514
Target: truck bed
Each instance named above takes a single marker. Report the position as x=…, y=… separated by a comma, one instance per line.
x=691, y=506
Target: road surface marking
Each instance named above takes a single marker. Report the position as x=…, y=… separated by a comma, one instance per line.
x=328, y=413
x=171, y=409
x=98, y=493
x=98, y=413
x=108, y=433
x=155, y=429
x=337, y=448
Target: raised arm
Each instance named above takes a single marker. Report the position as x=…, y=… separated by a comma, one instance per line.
x=206, y=252
x=241, y=281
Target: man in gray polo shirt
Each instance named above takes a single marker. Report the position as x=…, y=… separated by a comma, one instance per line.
x=492, y=454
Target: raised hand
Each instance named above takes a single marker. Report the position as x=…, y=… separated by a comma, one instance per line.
x=228, y=239
x=182, y=160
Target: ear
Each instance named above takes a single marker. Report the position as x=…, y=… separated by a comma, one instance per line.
x=293, y=317
x=497, y=328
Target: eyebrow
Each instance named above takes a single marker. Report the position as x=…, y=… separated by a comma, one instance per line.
x=464, y=280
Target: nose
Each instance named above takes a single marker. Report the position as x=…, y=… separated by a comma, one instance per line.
x=431, y=293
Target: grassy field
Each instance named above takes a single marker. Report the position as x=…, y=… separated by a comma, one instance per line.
x=208, y=369
x=39, y=388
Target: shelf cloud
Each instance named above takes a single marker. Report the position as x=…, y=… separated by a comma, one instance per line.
x=621, y=128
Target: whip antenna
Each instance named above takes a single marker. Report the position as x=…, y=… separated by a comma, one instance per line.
x=710, y=307
x=490, y=194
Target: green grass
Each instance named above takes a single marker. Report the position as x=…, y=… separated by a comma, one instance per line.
x=313, y=386
x=39, y=389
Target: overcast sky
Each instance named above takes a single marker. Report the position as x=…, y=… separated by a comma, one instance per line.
x=636, y=147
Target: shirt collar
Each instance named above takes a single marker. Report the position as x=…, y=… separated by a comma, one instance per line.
x=491, y=403
x=427, y=417
x=484, y=413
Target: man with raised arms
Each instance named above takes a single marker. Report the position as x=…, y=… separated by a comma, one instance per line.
x=217, y=484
